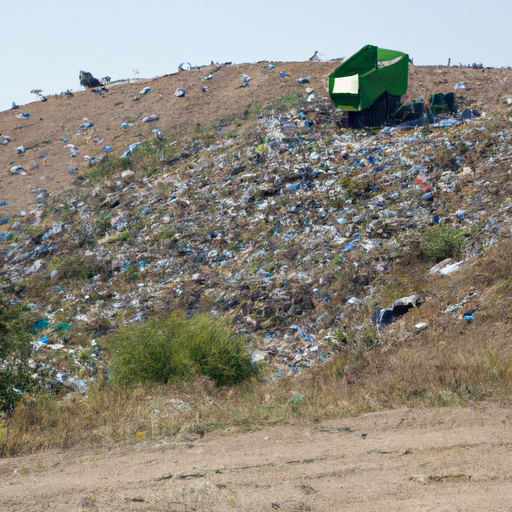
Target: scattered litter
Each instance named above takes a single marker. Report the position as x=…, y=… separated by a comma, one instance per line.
x=158, y=134
x=151, y=118
x=450, y=268
x=387, y=316
x=146, y=90
x=468, y=315
x=18, y=169
x=179, y=93
x=245, y=80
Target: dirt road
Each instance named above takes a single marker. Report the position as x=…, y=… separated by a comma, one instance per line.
x=430, y=459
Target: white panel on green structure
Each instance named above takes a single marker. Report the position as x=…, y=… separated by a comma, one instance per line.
x=346, y=85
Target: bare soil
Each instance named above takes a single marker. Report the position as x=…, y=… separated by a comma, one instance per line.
x=444, y=459
x=62, y=116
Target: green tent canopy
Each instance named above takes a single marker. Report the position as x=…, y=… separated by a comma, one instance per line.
x=363, y=78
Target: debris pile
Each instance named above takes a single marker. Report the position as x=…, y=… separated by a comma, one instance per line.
x=285, y=227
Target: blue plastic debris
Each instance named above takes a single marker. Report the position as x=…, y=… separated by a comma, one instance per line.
x=146, y=90
x=21, y=149
x=23, y=116
x=130, y=150
x=468, y=315
x=107, y=149
x=158, y=134
x=303, y=80
x=271, y=66
x=298, y=330
x=149, y=119
x=179, y=93
x=348, y=246
x=97, y=140
x=4, y=203
x=39, y=325
x=126, y=126
x=4, y=220
x=64, y=139
x=87, y=125
x=283, y=75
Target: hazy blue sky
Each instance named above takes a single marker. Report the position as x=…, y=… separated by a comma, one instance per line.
x=44, y=44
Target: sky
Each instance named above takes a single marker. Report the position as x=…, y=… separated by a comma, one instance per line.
x=45, y=43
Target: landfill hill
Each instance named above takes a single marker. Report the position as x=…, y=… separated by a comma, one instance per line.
x=225, y=102
x=257, y=204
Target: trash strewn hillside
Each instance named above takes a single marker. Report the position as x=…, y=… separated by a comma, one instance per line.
x=307, y=235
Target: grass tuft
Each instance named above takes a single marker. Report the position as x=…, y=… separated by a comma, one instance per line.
x=176, y=348
x=441, y=242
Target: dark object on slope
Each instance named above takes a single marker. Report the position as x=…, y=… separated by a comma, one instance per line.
x=441, y=103
x=379, y=113
x=387, y=316
x=87, y=80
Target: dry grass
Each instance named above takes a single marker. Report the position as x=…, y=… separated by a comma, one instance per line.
x=425, y=371
x=451, y=362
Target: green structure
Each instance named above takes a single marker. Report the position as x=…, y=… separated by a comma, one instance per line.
x=365, y=77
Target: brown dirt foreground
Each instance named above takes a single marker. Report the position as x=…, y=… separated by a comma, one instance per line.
x=411, y=459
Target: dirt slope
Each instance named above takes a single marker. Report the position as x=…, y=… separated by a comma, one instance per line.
x=62, y=116
x=426, y=459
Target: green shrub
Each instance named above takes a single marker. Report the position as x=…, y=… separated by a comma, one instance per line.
x=175, y=348
x=441, y=242
x=14, y=382
x=14, y=336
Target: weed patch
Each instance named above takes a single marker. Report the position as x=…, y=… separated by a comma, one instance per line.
x=177, y=348
x=441, y=242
